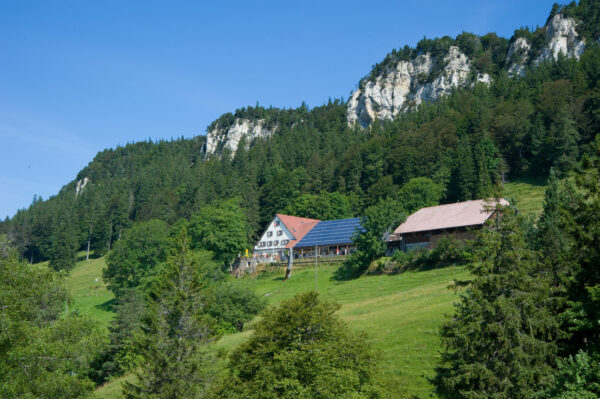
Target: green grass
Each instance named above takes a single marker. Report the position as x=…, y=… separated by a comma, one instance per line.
x=112, y=390
x=400, y=313
x=88, y=290
x=528, y=194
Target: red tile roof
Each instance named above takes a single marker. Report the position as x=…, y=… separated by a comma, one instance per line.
x=298, y=226
x=460, y=214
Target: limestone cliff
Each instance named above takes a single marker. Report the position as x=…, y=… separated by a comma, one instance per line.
x=406, y=84
x=402, y=83
x=561, y=37
x=221, y=137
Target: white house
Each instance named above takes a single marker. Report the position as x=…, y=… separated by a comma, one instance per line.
x=282, y=234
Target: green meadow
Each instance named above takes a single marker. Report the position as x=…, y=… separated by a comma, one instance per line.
x=527, y=194
x=88, y=290
x=401, y=314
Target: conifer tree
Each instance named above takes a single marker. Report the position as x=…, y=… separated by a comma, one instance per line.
x=63, y=252
x=175, y=330
x=501, y=341
x=464, y=175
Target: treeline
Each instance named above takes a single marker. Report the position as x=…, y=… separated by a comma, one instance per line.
x=466, y=144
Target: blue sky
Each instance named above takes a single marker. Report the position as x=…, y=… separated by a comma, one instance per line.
x=77, y=77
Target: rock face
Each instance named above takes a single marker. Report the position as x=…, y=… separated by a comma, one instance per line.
x=409, y=83
x=561, y=37
x=518, y=56
x=81, y=183
x=406, y=84
x=220, y=138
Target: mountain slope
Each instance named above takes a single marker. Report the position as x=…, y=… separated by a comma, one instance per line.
x=469, y=140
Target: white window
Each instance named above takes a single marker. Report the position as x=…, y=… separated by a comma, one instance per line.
x=279, y=233
x=270, y=243
x=276, y=242
x=269, y=233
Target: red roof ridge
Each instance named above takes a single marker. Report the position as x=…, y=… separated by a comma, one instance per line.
x=298, y=226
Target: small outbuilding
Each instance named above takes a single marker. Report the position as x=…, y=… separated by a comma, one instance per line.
x=426, y=226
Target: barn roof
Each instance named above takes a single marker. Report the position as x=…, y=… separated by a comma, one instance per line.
x=459, y=214
x=297, y=226
x=331, y=232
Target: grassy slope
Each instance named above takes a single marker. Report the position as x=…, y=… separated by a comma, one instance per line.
x=89, y=290
x=527, y=193
x=401, y=314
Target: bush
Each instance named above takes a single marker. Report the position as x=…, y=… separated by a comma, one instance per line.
x=448, y=251
x=301, y=349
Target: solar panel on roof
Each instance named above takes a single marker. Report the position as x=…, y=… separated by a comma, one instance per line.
x=331, y=232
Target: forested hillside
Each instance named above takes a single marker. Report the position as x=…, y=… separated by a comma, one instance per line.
x=465, y=143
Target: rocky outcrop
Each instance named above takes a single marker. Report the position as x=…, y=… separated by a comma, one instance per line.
x=219, y=138
x=561, y=37
x=408, y=84
x=518, y=56
x=81, y=183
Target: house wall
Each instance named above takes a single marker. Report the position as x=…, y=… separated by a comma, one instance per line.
x=278, y=236
x=429, y=239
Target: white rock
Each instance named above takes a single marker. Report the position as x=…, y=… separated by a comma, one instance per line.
x=81, y=183
x=218, y=138
x=405, y=85
x=517, y=56
x=561, y=37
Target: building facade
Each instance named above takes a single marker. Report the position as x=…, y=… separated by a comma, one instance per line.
x=425, y=227
x=281, y=234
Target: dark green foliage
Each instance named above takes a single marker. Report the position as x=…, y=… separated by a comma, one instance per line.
x=137, y=256
x=418, y=193
x=578, y=377
x=378, y=221
x=63, y=252
x=231, y=306
x=220, y=228
x=301, y=349
x=502, y=339
x=323, y=206
x=121, y=354
x=446, y=252
x=175, y=329
x=584, y=293
x=45, y=353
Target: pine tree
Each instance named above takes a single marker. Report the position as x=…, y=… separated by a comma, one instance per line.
x=63, y=252
x=566, y=137
x=501, y=341
x=175, y=364
x=464, y=174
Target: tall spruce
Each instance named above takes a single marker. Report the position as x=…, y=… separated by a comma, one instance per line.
x=584, y=294
x=63, y=251
x=501, y=341
x=175, y=331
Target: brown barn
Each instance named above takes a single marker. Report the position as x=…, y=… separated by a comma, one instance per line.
x=426, y=226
